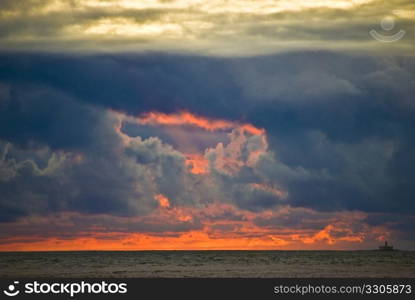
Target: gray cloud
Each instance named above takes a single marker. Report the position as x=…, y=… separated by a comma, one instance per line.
x=212, y=28
x=331, y=149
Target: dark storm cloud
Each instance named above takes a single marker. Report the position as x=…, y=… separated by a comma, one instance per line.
x=339, y=127
x=293, y=222
x=131, y=83
x=402, y=226
x=105, y=178
x=35, y=113
x=57, y=156
x=373, y=91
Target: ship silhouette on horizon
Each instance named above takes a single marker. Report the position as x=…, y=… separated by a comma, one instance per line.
x=386, y=247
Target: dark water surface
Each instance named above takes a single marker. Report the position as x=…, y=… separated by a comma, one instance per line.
x=208, y=264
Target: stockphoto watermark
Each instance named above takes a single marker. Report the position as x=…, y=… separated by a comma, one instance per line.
x=388, y=33
x=63, y=288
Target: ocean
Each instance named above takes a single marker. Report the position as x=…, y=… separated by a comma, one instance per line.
x=204, y=264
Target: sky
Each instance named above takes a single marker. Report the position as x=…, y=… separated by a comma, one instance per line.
x=189, y=124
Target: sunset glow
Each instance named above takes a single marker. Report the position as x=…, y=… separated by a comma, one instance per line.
x=188, y=119
x=244, y=235
x=190, y=124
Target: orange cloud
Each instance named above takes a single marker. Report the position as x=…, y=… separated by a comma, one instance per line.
x=194, y=240
x=222, y=226
x=184, y=118
x=162, y=200
x=328, y=234
x=197, y=163
x=167, y=213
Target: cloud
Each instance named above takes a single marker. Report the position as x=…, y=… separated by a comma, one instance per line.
x=187, y=119
x=238, y=27
x=214, y=125
x=214, y=226
x=298, y=86
x=242, y=150
x=105, y=177
x=108, y=134
x=321, y=147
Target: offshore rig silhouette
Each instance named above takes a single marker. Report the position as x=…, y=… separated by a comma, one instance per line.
x=386, y=247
